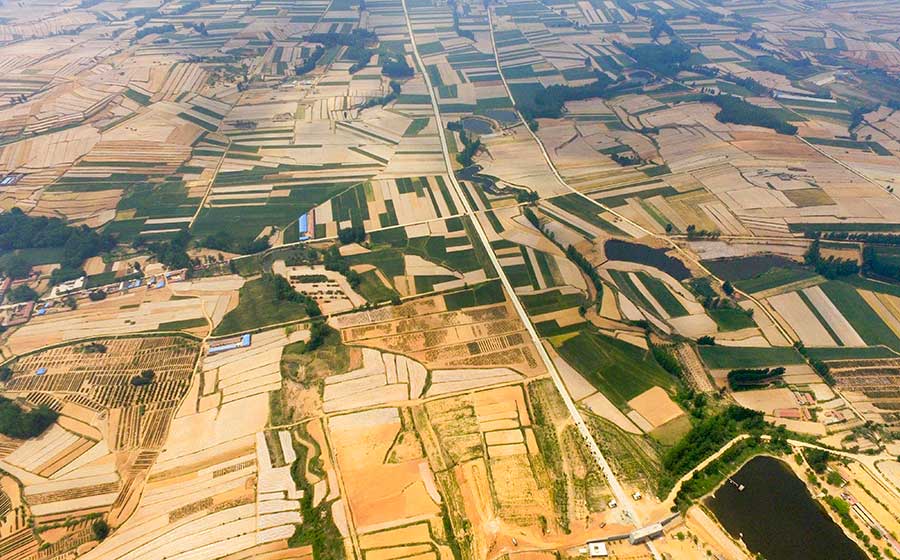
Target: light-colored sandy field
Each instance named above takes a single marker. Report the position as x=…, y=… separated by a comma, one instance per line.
x=656, y=406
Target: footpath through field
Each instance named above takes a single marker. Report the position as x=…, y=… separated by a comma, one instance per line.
x=621, y=496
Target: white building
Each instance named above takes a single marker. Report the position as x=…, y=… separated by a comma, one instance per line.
x=68, y=287
x=597, y=549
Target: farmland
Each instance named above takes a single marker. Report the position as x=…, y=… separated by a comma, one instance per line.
x=434, y=281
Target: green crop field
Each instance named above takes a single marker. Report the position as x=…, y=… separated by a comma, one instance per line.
x=728, y=357
x=373, y=289
x=662, y=294
x=538, y=304
x=619, y=370
x=863, y=318
x=258, y=307
x=731, y=319
x=482, y=294
x=773, y=278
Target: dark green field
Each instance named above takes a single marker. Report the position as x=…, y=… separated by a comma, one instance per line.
x=619, y=370
x=727, y=357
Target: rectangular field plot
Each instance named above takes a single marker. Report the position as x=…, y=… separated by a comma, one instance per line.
x=727, y=357
x=860, y=315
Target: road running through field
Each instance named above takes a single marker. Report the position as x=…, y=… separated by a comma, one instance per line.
x=618, y=491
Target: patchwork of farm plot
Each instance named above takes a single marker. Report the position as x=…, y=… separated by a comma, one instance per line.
x=600, y=160
x=94, y=461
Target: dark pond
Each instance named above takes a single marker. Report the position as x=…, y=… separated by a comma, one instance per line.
x=477, y=126
x=777, y=518
x=505, y=116
x=618, y=250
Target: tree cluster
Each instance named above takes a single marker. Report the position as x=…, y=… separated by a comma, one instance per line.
x=146, y=377
x=664, y=60
x=464, y=33
x=747, y=378
x=736, y=110
x=795, y=69
x=873, y=266
x=659, y=26
x=283, y=291
x=198, y=27
x=310, y=62
x=831, y=266
x=21, y=231
x=750, y=84
x=16, y=423
x=665, y=358
x=707, y=437
x=100, y=529
x=156, y=29
x=626, y=160
x=358, y=43
x=471, y=145
x=352, y=234
x=817, y=459
x=172, y=253
x=384, y=99
x=94, y=348
x=396, y=67
x=549, y=102
x=318, y=332
x=334, y=261
x=21, y=294
x=97, y=295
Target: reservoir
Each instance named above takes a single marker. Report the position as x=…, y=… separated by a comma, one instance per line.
x=777, y=516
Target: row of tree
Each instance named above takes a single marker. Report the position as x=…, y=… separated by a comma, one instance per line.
x=587, y=267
